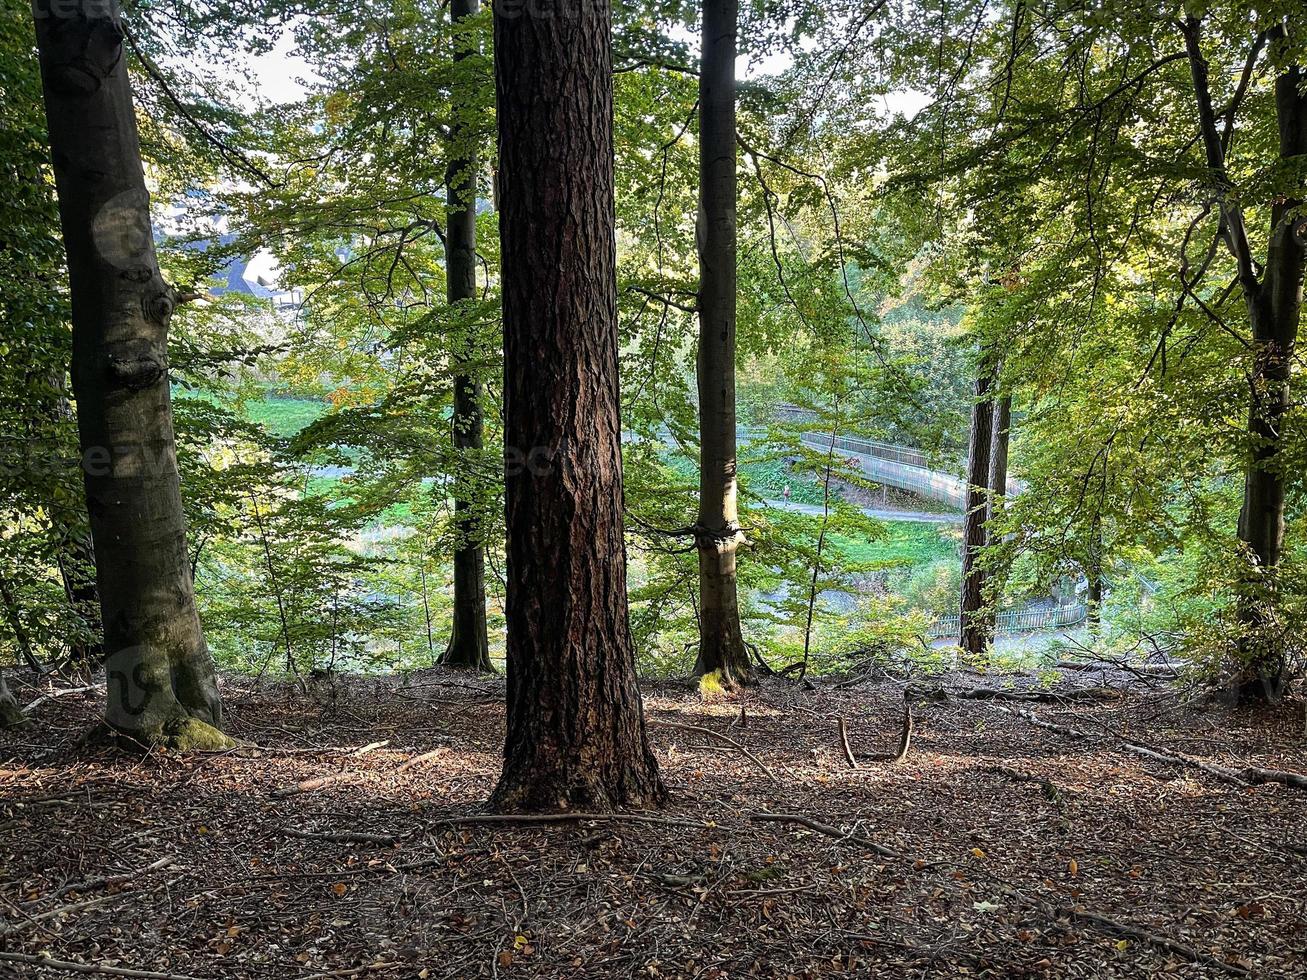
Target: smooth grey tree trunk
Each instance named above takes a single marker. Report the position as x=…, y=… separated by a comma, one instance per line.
x=1274, y=311
x=1273, y=296
x=161, y=682
x=717, y=530
x=576, y=734
x=972, y=625
x=469, y=645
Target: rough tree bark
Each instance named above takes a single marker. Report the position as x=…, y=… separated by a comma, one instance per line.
x=161, y=682
x=469, y=645
x=576, y=733
x=717, y=530
x=998, y=452
x=973, y=628
x=1274, y=302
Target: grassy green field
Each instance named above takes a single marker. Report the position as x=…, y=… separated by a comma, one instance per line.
x=285, y=416
x=906, y=543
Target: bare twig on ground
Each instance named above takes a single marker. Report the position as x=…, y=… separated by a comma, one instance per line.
x=51, y=963
x=82, y=887
x=1243, y=776
x=342, y=837
x=1051, y=791
x=417, y=760
x=309, y=785
x=493, y=819
x=742, y=749
x=803, y=820
x=1088, y=918
x=844, y=744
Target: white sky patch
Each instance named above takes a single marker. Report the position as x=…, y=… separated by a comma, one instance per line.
x=279, y=75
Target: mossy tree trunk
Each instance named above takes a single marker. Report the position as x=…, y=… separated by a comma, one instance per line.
x=469, y=645
x=161, y=683
x=576, y=734
x=718, y=536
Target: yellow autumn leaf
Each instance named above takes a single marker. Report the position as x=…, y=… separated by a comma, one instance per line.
x=977, y=852
x=1072, y=868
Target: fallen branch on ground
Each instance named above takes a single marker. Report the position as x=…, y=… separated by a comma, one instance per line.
x=1243, y=776
x=82, y=887
x=72, y=967
x=417, y=760
x=492, y=819
x=1127, y=931
x=743, y=750
x=823, y=828
x=1039, y=722
x=309, y=785
x=1054, y=912
x=33, y=920
x=54, y=695
x=1036, y=695
x=844, y=744
x=342, y=837
x=1051, y=792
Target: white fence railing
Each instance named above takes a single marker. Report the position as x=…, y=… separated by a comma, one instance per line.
x=1018, y=620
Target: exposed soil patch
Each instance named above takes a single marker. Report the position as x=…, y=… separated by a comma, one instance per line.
x=310, y=857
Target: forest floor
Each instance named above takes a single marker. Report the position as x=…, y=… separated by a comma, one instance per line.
x=995, y=849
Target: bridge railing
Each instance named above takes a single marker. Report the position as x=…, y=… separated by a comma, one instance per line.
x=1018, y=620
x=868, y=447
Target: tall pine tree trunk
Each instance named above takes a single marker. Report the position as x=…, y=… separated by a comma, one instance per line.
x=718, y=535
x=469, y=645
x=1274, y=310
x=161, y=683
x=576, y=734
x=973, y=627
x=998, y=453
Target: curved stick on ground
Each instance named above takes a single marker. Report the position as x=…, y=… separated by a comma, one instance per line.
x=844, y=744
x=696, y=729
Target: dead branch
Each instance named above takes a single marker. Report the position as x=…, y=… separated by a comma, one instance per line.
x=1051, y=791
x=743, y=750
x=905, y=740
x=508, y=819
x=1079, y=915
x=92, y=903
x=1038, y=695
x=60, y=693
x=1243, y=776
x=417, y=760
x=309, y=785
x=342, y=837
x=805, y=821
x=1112, y=926
x=844, y=744
x=1039, y=722
x=73, y=967
x=82, y=887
